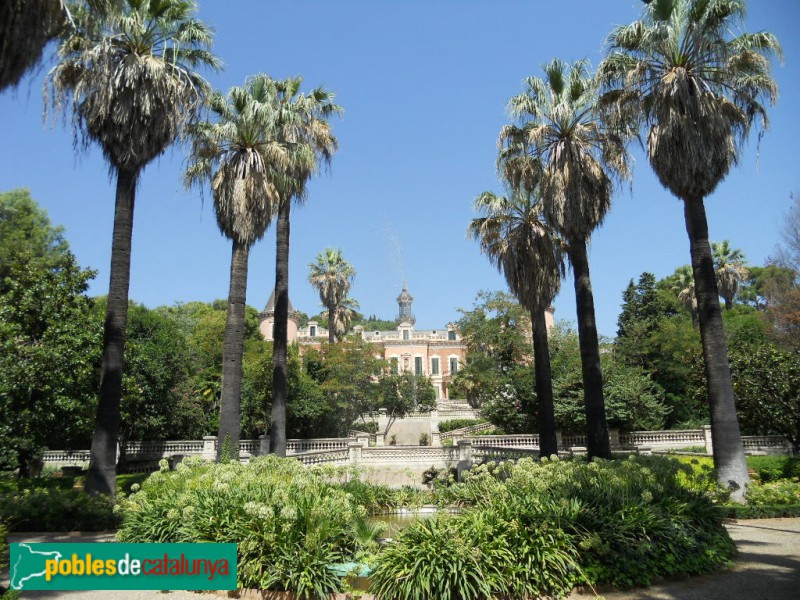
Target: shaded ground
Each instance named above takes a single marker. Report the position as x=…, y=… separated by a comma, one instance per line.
x=768, y=568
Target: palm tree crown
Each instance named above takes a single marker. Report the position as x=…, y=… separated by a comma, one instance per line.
x=130, y=77
x=25, y=28
x=697, y=87
x=514, y=235
x=240, y=156
x=332, y=276
x=730, y=269
x=562, y=127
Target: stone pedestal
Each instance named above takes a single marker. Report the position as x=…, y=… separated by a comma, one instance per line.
x=709, y=442
x=464, y=457
x=613, y=438
x=263, y=445
x=209, y=447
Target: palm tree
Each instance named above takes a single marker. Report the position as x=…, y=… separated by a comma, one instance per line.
x=302, y=126
x=697, y=88
x=343, y=317
x=730, y=270
x=238, y=155
x=681, y=283
x=562, y=128
x=130, y=80
x=332, y=275
x=513, y=234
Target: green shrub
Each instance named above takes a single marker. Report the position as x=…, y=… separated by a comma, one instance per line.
x=773, y=468
x=435, y=558
x=445, y=426
x=777, y=493
x=290, y=522
x=55, y=509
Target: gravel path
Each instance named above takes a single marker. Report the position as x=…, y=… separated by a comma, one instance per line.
x=767, y=568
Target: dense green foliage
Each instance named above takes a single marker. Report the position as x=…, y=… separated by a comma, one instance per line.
x=525, y=529
x=50, y=344
x=499, y=375
x=53, y=504
x=290, y=524
x=620, y=522
x=49, y=340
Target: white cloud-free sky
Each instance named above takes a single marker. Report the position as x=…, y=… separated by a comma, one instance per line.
x=424, y=87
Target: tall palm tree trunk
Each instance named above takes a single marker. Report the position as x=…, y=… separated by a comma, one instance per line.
x=101, y=478
x=594, y=404
x=277, y=440
x=331, y=317
x=230, y=425
x=729, y=459
x=548, y=445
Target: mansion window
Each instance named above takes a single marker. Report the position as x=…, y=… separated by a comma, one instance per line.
x=394, y=363
x=312, y=331
x=417, y=365
x=435, y=365
x=451, y=335
x=405, y=334
x=453, y=365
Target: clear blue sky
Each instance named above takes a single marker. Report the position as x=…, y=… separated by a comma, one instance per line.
x=424, y=87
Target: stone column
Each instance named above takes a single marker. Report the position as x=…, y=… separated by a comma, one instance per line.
x=613, y=437
x=263, y=445
x=464, y=457
x=559, y=440
x=354, y=452
x=209, y=447
x=708, y=440
x=436, y=437
x=363, y=440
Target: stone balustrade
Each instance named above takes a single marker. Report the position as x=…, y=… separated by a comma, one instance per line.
x=357, y=450
x=506, y=441
x=321, y=457
x=502, y=453
x=673, y=438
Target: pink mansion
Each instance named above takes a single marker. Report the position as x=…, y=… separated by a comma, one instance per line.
x=435, y=353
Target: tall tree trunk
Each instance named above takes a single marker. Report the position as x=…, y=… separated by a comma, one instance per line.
x=331, y=317
x=729, y=459
x=277, y=440
x=230, y=424
x=548, y=445
x=596, y=426
x=101, y=478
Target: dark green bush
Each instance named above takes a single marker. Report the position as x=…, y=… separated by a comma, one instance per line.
x=55, y=509
x=773, y=468
x=636, y=519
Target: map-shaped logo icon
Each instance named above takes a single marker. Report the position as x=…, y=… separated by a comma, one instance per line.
x=27, y=564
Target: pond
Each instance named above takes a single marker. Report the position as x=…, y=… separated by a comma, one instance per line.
x=399, y=519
